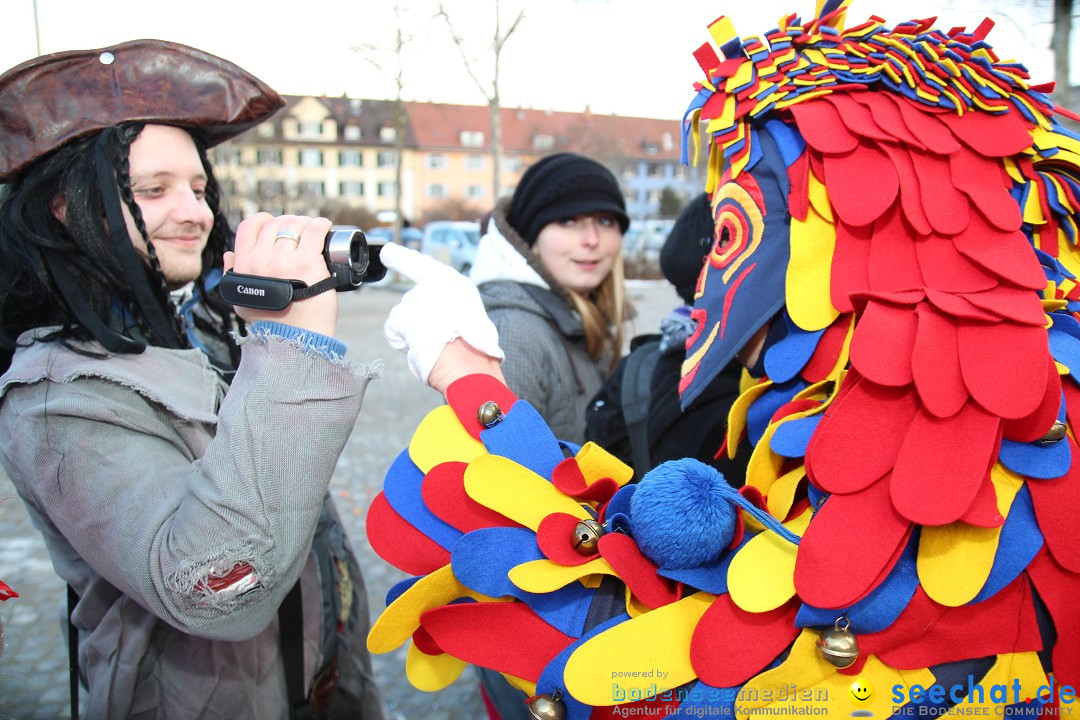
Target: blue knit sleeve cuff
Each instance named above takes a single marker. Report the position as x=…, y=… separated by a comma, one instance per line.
x=325, y=345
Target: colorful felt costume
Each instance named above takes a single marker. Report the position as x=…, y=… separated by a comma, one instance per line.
x=900, y=208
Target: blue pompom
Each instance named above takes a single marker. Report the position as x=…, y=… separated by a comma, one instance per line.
x=682, y=514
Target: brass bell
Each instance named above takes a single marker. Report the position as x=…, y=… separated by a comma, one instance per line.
x=838, y=644
x=1057, y=431
x=489, y=414
x=587, y=536
x=547, y=707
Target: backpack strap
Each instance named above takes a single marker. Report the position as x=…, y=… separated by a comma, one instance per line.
x=291, y=629
x=73, y=652
x=636, y=393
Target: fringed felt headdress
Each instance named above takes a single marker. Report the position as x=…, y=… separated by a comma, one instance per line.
x=898, y=208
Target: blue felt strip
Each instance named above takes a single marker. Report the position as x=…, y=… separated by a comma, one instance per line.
x=791, y=438
x=552, y=677
x=789, y=355
x=525, y=438
x=1019, y=543
x=402, y=489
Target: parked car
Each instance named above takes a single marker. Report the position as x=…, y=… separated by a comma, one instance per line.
x=452, y=242
x=410, y=237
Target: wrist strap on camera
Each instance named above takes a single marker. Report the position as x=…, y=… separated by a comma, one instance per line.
x=266, y=293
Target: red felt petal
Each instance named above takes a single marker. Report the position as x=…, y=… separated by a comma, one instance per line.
x=860, y=435
x=850, y=544
x=425, y=643
x=828, y=350
x=556, y=538
x=862, y=184
x=1004, y=366
x=1038, y=423
x=1016, y=304
x=1004, y=623
x=505, y=636
x=980, y=178
x=942, y=463
x=568, y=479
x=857, y=117
x=946, y=207
x=822, y=127
x=935, y=363
x=849, y=274
x=798, y=192
x=990, y=135
x=914, y=623
x=946, y=269
x=887, y=116
x=958, y=307
x=1059, y=588
x=882, y=344
x=443, y=491
x=1055, y=509
x=467, y=394
x=637, y=571
x=930, y=131
x=893, y=263
x=984, y=510
x=910, y=189
x=399, y=543
x=758, y=637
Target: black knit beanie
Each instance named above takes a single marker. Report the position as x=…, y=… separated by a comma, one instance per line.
x=562, y=186
x=686, y=245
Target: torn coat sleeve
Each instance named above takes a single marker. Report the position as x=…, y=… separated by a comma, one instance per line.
x=208, y=528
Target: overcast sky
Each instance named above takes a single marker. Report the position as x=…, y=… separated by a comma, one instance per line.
x=631, y=57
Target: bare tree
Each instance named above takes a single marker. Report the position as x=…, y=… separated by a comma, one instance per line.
x=490, y=92
x=1062, y=43
x=400, y=116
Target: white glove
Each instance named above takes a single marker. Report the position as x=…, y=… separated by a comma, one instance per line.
x=444, y=306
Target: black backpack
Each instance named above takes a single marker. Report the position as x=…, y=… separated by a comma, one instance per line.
x=637, y=416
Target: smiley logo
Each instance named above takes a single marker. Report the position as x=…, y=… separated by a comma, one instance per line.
x=861, y=692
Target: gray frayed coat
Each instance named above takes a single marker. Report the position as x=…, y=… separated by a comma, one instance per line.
x=147, y=480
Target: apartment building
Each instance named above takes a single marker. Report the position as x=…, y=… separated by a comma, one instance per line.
x=320, y=153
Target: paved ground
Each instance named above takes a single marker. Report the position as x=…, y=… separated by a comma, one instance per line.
x=33, y=655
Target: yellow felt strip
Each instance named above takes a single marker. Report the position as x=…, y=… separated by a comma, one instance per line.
x=656, y=642
x=737, y=413
x=516, y=491
x=806, y=680
x=595, y=462
x=544, y=576
x=526, y=686
x=440, y=438
x=813, y=241
x=431, y=673
x=764, y=466
x=761, y=577
x=819, y=198
x=954, y=560
x=782, y=493
x=400, y=619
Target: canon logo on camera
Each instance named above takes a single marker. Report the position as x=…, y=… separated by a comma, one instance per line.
x=245, y=290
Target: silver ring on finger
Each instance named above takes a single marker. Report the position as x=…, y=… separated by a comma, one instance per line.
x=287, y=235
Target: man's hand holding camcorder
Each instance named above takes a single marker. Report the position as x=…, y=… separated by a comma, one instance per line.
x=442, y=307
x=287, y=247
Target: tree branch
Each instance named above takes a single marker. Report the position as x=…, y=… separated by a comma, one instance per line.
x=461, y=50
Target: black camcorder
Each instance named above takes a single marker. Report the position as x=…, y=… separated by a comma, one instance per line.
x=350, y=257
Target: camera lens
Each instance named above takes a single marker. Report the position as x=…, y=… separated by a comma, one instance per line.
x=348, y=252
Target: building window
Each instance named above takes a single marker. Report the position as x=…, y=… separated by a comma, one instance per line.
x=474, y=162
x=311, y=188
x=387, y=189
x=436, y=161
x=350, y=188
x=388, y=134
x=386, y=158
x=656, y=170
x=667, y=141
x=352, y=132
x=309, y=129
x=472, y=138
x=350, y=158
x=310, y=157
x=474, y=192
x=268, y=156
x=436, y=190
x=228, y=186
x=543, y=143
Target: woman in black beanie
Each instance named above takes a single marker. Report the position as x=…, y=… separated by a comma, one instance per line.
x=551, y=275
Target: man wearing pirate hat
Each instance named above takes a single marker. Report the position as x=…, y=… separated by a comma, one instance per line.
x=174, y=452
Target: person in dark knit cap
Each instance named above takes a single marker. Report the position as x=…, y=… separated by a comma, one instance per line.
x=550, y=272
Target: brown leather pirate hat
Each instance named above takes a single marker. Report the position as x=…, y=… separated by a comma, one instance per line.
x=53, y=99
